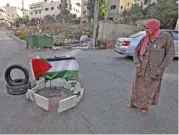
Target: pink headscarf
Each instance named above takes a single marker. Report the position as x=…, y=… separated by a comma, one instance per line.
x=154, y=25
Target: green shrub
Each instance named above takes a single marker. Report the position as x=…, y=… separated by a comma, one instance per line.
x=59, y=42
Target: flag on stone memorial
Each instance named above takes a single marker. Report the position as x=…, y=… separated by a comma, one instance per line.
x=61, y=67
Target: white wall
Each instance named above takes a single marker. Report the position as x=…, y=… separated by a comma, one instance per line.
x=12, y=13
x=38, y=10
x=144, y=3
x=113, y=13
x=76, y=9
x=3, y=16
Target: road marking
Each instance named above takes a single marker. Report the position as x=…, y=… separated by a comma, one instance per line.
x=6, y=38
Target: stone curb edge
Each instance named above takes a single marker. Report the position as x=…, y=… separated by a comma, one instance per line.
x=14, y=37
x=55, y=48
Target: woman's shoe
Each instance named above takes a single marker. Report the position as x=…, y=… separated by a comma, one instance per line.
x=131, y=106
x=144, y=110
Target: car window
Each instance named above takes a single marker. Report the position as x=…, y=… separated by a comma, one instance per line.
x=175, y=35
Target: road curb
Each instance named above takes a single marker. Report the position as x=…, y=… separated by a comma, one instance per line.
x=14, y=37
x=55, y=48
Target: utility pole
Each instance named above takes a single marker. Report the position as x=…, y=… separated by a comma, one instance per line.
x=22, y=4
x=95, y=23
x=23, y=7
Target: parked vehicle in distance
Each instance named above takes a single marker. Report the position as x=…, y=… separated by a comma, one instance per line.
x=127, y=45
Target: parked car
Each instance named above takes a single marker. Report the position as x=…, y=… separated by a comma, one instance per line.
x=127, y=45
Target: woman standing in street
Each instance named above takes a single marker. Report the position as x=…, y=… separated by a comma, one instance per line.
x=152, y=55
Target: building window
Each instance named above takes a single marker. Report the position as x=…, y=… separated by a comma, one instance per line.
x=46, y=9
x=52, y=8
x=111, y=18
x=145, y=2
x=35, y=12
x=70, y=6
x=121, y=7
x=78, y=4
x=60, y=6
x=113, y=7
x=39, y=12
x=84, y=12
x=31, y=13
x=66, y=5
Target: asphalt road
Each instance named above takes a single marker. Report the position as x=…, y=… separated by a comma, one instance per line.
x=107, y=78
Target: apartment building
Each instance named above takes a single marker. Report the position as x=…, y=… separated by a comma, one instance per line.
x=79, y=8
x=54, y=7
x=116, y=7
x=25, y=12
x=3, y=16
x=48, y=7
x=12, y=13
x=144, y=3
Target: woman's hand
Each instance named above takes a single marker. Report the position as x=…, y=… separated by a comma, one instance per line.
x=137, y=65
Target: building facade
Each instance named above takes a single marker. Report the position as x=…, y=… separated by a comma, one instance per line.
x=53, y=8
x=12, y=13
x=79, y=8
x=116, y=7
x=3, y=16
x=47, y=7
x=144, y=3
x=25, y=12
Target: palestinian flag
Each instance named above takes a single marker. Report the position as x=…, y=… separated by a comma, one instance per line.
x=58, y=67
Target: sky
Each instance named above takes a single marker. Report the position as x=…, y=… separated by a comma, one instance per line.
x=17, y=3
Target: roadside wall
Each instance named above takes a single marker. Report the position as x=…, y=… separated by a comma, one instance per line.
x=111, y=31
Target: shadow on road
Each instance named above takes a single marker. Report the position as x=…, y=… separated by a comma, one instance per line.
x=124, y=58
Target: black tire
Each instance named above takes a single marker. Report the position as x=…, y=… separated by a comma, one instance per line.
x=18, y=90
x=13, y=82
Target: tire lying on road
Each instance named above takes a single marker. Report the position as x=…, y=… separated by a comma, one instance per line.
x=13, y=82
x=18, y=90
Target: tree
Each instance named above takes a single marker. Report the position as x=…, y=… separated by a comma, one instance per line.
x=167, y=13
x=103, y=13
x=21, y=20
x=136, y=13
x=66, y=17
x=90, y=7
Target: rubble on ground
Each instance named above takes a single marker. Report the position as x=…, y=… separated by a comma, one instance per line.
x=63, y=34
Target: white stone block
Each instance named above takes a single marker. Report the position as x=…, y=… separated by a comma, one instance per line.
x=72, y=89
x=72, y=81
x=67, y=103
x=41, y=84
x=47, y=84
x=66, y=84
x=55, y=82
x=80, y=96
x=77, y=88
x=60, y=82
x=30, y=95
x=41, y=101
x=34, y=89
